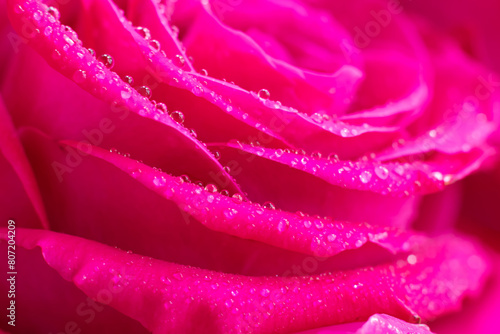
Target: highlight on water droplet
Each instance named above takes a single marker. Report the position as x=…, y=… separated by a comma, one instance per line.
x=144, y=91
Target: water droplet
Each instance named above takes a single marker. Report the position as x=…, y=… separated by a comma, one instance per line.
x=159, y=181
x=68, y=40
x=437, y=175
x=412, y=259
x=318, y=118
x=177, y=116
x=211, y=188
x=265, y=292
x=193, y=133
x=358, y=243
x=269, y=205
x=319, y=224
x=178, y=276
x=331, y=237
x=91, y=51
x=333, y=157
x=204, y=72
x=264, y=94
x=307, y=223
x=126, y=93
x=100, y=75
x=365, y=176
x=399, y=170
x=107, y=60
x=79, y=76
x=54, y=12
x=229, y=213
x=283, y=224
x=161, y=107
x=179, y=61
x=345, y=132
x=224, y=192
x=237, y=198
x=18, y=9
x=47, y=31
x=144, y=32
x=145, y=91
x=316, y=155
x=155, y=45
x=37, y=15
x=381, y=172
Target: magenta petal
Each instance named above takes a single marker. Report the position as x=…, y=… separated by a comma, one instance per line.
x=18, y=171
x=226, y=52
x=46, y=303
x=166, y=297
x=376, y=324
x=308, y=235
x=118, y=118
x=399, y=179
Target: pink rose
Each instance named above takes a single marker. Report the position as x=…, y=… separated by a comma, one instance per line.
x=234, y=166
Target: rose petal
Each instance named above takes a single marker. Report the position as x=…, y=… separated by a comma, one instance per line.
x=168, y=297
x=94, y=120
x=21, y=198
x=377, y=323
x=312, y=236
x=46, y=303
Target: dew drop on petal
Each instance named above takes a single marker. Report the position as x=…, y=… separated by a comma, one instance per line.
x=331, y=237
x=269, y=205
x=155, y=45
x=283, y=224
x=107, y=60
x=144, y=91
x=54, y=12
x=161, y=107
x=318, y=118
x=264, y=94
x=316, y=155
x=365, y=176
x=37, y=15
x=128, y=79
x=437, y=175
x=159, y=181
x=179, y=61
x=79, y=76
x=177, y=116
x=211, y=188
x=237, y=198
x=47, y=31
x=381, y=172
x=345, y=132
x=204, y=72
x=126, y=93
x=144, y=32
x=229, y=213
